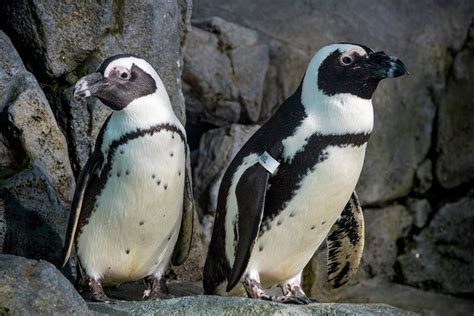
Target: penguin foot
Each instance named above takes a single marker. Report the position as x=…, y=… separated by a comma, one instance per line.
x=98, y=294
x=153, y=291
x=289, y=299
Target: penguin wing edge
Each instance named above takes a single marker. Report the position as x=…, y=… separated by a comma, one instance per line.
x=76, y=207
x=183, y=245
x=345, y=244
x=250, y=192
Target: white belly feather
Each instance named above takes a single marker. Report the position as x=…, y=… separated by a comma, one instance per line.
x=134, y=227
x=297, y=232
x=283, y=251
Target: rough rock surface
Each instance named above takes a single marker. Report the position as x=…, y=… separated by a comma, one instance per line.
x=404, y=108
x=406, y=297
x=217, y=149
x=442, y=255
x=31, y=287
x=216, y=305
x=225, y=67
x=33, y=216
x=455, y=133
x=29, y=121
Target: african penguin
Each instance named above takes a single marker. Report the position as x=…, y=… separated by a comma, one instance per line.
x=132, y=210
x=292, y=184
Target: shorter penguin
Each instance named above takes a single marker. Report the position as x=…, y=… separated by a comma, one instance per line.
x=292, y=184
x=132, y=211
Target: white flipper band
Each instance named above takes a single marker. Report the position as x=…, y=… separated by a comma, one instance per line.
x=268, y=162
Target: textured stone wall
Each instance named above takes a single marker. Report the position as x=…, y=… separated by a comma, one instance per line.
x=239, y=60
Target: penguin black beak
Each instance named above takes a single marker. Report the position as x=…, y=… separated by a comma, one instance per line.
x=382, y=66
x=90, y=85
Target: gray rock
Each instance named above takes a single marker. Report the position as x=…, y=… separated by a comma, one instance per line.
x=404, y=297
x=216, y=150
x=383, y=227
x=31, y=122
x=225, y=65
x=216, y=305
x=421, y=210
x=40, y=137
x=442, y=256
x=424, y=177
x=404, y=109
x=455, y=162
x=32, y=215
x=30, y=287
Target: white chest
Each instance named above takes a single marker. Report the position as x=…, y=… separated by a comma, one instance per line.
x=296, y=233
x=135, y=224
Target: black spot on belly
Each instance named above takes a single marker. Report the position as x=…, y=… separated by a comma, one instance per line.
x=313, y=227
x=171, y=154
x=118, y=174
x=165, y=186
x=121, y=152
x=260, y=248
x=292, y=214
x=127, y=172
x=179, y=172
x=172, y=136
x=141, y=223
x=127, y=251
x=279, y=222
x=158, y=182
x=169, y=237
x=323, y=222
x=153, y=176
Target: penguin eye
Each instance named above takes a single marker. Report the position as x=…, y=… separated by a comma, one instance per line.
x=124, y=75
x=346, y=60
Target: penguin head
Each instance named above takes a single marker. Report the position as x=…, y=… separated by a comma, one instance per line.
x=120, y=80
x=347, y=68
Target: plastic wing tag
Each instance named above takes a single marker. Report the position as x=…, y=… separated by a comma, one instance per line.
x=268, y=162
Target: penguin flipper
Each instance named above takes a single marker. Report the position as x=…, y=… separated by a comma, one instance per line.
x=345, y=243
x=250, y=193
x=81, y=186
x=76, y=206
x=183, y=245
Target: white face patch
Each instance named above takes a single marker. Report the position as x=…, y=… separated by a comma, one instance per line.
x=128, y=62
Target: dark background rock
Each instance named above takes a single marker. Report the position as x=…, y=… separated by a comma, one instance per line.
x=31, y=287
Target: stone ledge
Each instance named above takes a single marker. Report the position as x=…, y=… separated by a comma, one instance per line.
x=217, y=305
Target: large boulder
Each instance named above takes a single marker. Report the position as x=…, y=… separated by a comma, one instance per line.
x=31, y=287
x=442, y=257
x=29, y=123
x=224, y=67
x=33, y=218
x=405, y=107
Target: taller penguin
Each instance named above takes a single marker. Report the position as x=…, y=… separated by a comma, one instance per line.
x=132, y=210
x=292, y=184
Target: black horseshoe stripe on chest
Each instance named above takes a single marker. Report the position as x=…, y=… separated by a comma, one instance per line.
x=99, y=179
x=284, y=184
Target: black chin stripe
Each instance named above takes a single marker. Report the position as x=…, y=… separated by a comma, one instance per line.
x=98, y=181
